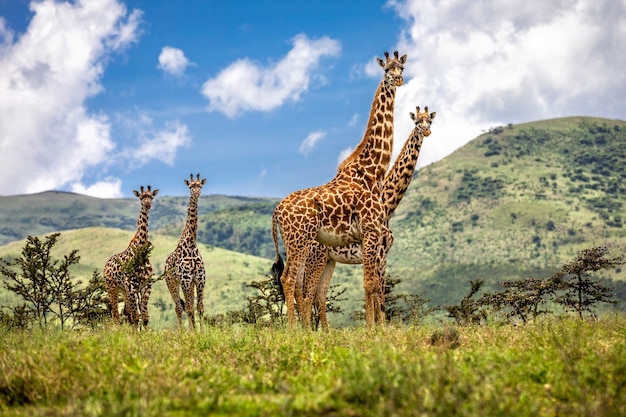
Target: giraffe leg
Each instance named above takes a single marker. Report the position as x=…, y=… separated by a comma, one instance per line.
x=130, y=304
x=304, y=308
x=113, y=292
x=371, y=278
x=187, y=287
x=322, y=292
x=200, y=293
x=315, y=262
x=288, y=281
x=385, y=247
x=173, y=286
x=145, y=296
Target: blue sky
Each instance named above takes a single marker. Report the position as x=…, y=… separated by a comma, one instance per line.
x=265, y=97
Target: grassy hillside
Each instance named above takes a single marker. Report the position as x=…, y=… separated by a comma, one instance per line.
x=517, y=201
x=227, y=271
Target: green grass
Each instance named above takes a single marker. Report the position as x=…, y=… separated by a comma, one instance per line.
x=557, y=366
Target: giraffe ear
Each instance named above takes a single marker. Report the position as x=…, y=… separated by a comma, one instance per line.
x=136, y=193
x=432, y=115
x=412, y=116
x=203, y=181
x=186, y=182
x=155, y=192
x=380, y=62
x=403, y=59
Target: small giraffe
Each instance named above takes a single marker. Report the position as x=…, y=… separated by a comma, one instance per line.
x=184, y=267
x=322, y=259
x=137, y=286
x=345, y=210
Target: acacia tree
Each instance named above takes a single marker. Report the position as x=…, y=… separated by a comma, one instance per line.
x=46, y=286
x=581, y=291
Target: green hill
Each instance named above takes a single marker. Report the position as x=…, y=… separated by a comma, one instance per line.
x=517, y=201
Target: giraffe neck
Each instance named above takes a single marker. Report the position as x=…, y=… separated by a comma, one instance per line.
x=401, y=173
x=141, y=235
x=190, y=231
x=372, y=155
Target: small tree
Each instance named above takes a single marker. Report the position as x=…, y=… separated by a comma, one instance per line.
x=469, y=311
x=521, y=298
x=268, y=303
x=581, y=292
x=46, y=285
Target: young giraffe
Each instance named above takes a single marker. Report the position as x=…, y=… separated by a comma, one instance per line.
x=184, y=267
x=135, y=288
x=345, y=210
x=322, y=259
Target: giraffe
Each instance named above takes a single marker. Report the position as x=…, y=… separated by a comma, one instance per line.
x=184, y=267
x=135, y=287
x=345, y=210
x=322, y=259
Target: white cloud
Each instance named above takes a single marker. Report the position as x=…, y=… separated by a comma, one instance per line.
x=48, y=139
x=310, y=141
x=245, y=85
x=173, y=60
x=160, y=144
x=483, y=64
x=110, y=188
x=353, y=120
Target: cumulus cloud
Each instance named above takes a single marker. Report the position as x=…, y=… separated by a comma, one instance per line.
x=483, y=64
x=310, y=141
x=160, y=144
x=173, y=61
x=246, y=85
x=109, y=188
x=48, y=138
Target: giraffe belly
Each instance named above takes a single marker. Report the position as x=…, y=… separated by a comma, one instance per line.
x=330, y=236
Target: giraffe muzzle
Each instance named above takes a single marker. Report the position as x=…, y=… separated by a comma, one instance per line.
x=399, y=81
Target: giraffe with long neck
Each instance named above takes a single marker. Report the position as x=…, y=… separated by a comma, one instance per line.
x=184, y=267
x=130, y=271
x=346, y=210
x=322, y=259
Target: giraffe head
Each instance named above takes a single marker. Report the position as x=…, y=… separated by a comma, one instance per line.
x=195, y=186
x=423, y=120
x=146, y=196
x=393, y=68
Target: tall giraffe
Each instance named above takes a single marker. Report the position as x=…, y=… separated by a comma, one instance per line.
x=135, y=286
x=184, y=267
x=322, y=259
x=345, y=210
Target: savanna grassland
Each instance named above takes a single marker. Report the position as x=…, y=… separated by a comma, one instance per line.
x=554, y=366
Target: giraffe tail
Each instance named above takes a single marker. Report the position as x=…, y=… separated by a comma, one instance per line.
x=279, y=265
